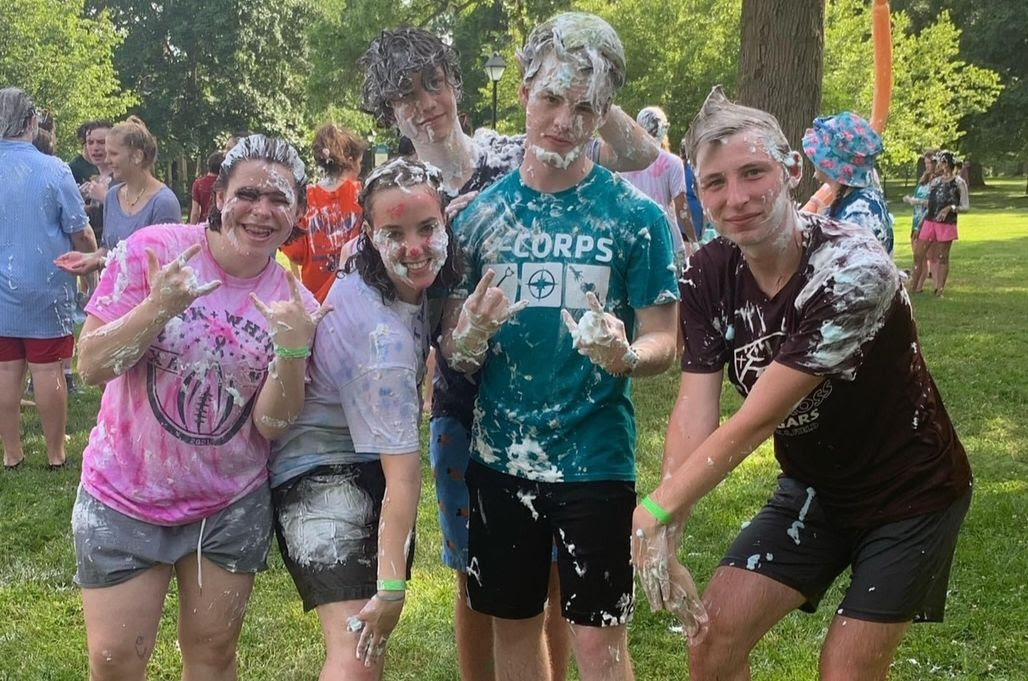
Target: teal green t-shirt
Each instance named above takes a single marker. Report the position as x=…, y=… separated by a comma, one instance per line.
x=545, y=412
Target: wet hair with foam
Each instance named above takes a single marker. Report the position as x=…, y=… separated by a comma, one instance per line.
x=584, y=40
x=270, y=150
x=399, y=173
x=16, y=112
x=394, y=59
x=719, y=119
x=653, y=120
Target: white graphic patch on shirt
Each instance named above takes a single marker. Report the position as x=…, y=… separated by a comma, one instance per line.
x=193, y=395
x=552, y=284
x=542, y=284
x=751, y=359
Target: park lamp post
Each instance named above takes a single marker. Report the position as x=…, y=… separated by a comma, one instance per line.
x=494, y=68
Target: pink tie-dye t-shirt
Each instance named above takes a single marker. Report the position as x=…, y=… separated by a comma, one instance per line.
x=174, y=440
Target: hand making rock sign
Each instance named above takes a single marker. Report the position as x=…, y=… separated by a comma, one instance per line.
x=485, y=311
x=601, y=337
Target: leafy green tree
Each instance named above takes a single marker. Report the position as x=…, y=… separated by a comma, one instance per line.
x=994, y=35
x=676, y=52
x=204, y=68
x=933, y=87
x=64, y=60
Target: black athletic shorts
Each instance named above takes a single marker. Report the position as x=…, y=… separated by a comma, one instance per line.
x=326, y=522
x=514, y=526
x=900, y=569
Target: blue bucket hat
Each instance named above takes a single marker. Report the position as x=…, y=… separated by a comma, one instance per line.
x=844, y=147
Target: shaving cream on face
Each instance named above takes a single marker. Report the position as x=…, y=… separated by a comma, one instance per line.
x=399, y=247
x=552, y=158
x=420, y=112
x=265, y=210
x=394, y=252
x=553, y=108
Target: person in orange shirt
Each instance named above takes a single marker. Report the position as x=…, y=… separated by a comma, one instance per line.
x=333, y=215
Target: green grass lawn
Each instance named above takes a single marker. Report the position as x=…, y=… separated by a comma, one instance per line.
x=976, y=343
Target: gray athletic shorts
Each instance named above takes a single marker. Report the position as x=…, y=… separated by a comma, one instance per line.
x=111, y=547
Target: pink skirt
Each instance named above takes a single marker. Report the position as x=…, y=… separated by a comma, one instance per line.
x=937, y=231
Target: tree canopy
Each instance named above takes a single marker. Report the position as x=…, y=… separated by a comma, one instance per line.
x=994, y=35
x=203, y=68
x=933, y=87
x=195, y=70
x=64, y=60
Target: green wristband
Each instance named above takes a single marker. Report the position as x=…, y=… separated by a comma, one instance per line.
x=655, y=509
x=392, y=585
x=292, y=353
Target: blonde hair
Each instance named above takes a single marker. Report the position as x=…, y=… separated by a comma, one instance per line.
x=719, y=119
x=133, y=133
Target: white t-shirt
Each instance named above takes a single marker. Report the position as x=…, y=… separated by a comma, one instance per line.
x=365, y=369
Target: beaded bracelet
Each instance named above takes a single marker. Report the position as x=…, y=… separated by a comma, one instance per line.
x=656, y=510
x=292, y=353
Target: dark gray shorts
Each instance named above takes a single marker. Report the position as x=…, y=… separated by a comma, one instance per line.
x=111, y=547
x=900, y=570
x=326, y=522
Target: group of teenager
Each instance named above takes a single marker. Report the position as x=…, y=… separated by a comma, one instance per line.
x=237, y=406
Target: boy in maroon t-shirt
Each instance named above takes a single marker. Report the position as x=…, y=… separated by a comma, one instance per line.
x=810, y=318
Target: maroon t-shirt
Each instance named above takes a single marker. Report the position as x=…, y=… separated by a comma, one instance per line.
x=203, y=189
x=874, y=439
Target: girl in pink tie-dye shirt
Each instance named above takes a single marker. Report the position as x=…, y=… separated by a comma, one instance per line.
x=201, y=339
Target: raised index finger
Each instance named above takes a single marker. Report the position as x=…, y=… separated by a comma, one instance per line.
x=294, y=286
x=152, y=264
x=594, y=303
x=485, y=282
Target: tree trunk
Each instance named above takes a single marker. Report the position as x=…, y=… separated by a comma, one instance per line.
x=781, y=64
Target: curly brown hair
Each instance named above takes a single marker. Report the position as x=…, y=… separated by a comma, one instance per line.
x=392, y=61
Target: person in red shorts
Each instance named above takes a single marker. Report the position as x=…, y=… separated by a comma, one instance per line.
x=43, y=217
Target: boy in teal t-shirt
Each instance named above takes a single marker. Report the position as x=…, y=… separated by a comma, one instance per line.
x=545, y=412
x=570, y=289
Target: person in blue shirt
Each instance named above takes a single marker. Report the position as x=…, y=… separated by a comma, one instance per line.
x=43, y=217
x=843, y=149
x=692, y=199
x=569, y=291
